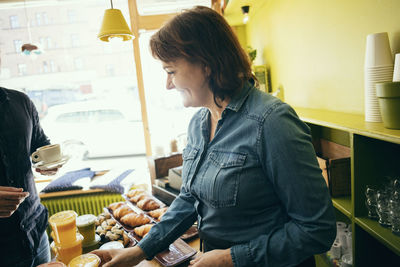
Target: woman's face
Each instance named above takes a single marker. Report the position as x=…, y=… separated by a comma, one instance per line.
x=191, y=81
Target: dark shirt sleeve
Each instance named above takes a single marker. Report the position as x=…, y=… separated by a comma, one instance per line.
x=38, y=136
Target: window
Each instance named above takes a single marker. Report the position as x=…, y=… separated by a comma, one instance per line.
x=78, y=63
x=14, y=23
x=74, y=40
x=22, y=70
x=17, y=46
x=38, y=19
x=71, y=14
x=45, y=18
x=110, y=70
x=49, y=43
x=53, y=67
x=45, y=67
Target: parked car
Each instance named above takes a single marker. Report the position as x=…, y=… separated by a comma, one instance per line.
x=46, y=98
x=94, y=129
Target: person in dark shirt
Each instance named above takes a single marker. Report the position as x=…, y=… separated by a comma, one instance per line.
x=23, y=219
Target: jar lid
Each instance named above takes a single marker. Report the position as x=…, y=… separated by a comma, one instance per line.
x=112, y=245
x=63, y=217
x=85, y=260
x=85, y=220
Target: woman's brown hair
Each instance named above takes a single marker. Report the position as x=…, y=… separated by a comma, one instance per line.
x=202, y=36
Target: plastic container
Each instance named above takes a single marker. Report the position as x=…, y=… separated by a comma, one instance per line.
x=52, y=264
x=85, y=260
x=64, y=226
x=86, y=226
x=65, y=253
x=389, y=103
x=112, y=245
x=95, y=244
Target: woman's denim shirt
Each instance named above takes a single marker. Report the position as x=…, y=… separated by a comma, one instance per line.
x=257, y=184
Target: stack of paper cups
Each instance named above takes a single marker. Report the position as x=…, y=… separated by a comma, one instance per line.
x=378, y=68
x=396, y=72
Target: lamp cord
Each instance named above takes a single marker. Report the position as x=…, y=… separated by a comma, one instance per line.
x=27, y=23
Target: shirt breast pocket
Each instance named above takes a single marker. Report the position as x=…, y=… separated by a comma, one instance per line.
x=221, y=179
x=188, y=155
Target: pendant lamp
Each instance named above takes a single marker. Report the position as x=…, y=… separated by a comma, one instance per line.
x=114, y=26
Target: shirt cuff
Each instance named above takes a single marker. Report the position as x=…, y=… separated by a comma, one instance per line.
x=148, y=246
x=242, y=256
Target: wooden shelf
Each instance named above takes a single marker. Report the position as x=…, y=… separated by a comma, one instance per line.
x=343, y=204
x=383, y=234
x=352, y=123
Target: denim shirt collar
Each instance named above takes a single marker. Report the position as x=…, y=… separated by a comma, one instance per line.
x=237, y=100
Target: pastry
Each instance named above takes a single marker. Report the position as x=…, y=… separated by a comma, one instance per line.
x=158, y=213
x=137, y=198
x=116, y=205
x=143, y=230
x=134, y=219
x=122, y=211
x=148, y=204
x=135, y=192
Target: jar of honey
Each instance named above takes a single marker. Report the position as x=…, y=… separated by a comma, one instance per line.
x=64, y=226
x=85, y=260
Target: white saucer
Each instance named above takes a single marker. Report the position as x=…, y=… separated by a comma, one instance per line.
x=51, y=165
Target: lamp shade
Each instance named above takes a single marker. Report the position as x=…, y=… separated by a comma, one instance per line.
x=114, y=25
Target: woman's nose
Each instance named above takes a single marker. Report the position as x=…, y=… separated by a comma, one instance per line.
x=170, y=84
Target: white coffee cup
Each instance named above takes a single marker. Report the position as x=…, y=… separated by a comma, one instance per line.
x=378, y=52
x=47, y=154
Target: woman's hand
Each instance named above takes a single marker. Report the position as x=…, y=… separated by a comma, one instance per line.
x=214, y=258
x=120, y=257
x=10, y=199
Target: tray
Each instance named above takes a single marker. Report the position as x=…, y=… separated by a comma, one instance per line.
x=177, y=252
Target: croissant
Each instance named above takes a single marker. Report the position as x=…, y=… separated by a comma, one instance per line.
x=148, y=204
x=116, y=205
x=134, y=219
x=135, y=192
x=138, y=197
x=122, y=211
x=143, y=230
x=158, y=213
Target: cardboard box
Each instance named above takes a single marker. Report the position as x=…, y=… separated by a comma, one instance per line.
x=335, y=163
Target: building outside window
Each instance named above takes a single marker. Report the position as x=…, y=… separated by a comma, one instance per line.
x=45, y=18
x=14, y=23
x=22, y=69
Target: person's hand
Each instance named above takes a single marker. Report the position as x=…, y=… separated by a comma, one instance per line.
x=214, y=258
x=10, y=199
x=120, y=257
x=49, y=171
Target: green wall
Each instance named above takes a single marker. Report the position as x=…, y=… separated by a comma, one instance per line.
x=315, y=48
